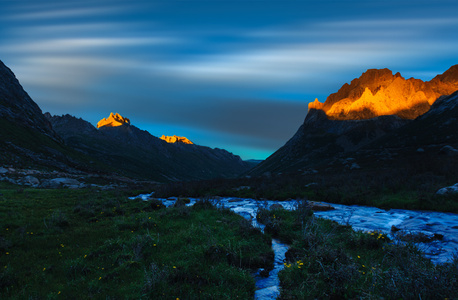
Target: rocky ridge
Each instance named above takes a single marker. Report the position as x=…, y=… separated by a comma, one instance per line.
x=377, y=92
x=176, y=139
x=329, y=136
x=17, y=106
x=139, y=153
x=113, y=120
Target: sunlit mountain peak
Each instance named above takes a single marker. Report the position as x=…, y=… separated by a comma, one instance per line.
x=176, y=139
x=113, y=120
x=378, y=92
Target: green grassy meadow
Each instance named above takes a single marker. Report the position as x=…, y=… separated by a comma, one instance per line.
x=91, y=244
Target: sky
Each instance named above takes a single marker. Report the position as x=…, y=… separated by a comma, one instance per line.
x=236, y=75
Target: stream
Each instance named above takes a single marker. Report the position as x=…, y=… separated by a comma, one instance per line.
x=364, y=218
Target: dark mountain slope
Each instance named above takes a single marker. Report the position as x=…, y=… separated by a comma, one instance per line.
x=141, y=154
x=28, y=140
x=326, y=136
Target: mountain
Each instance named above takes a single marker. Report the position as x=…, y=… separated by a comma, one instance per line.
x=437, y=128
x=370, y=113
x=123, y=146
x=380, y=93
x=27, y=139
x=35, y=143
x=17, y=106
x=176, y=139
x=113, y=120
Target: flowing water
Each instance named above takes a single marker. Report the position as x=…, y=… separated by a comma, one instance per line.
x=444, y=225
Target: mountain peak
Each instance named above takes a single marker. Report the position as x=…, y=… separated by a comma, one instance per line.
x=449, y=76
x=176, y=139
x=377, y=92
x=17, y=106
x=113, y=120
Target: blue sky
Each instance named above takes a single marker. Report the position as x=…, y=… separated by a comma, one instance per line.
x=236, y=75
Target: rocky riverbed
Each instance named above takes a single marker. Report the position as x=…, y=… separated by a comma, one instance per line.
x=435, y=233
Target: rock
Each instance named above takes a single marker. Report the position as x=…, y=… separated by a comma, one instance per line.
x=317, y=206
x=61, y=182
x=29, y=180
x=310, y=171
x=394, y=228
x=449, y=150
x=276, y=206
x=3, y=170
x=438, y=236
x=113, y=120
x=176, y=139
x=7, y=179
x=418, y=237
x=234, y=200
x=179, y=203
x=311, y=184
x=354, y=166
x=378, y=92
x=17, y=106
x=186, y=200
x=449, y=190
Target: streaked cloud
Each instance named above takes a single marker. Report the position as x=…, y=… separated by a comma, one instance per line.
x=80, y=44
x=47, y=10
x=239, y=71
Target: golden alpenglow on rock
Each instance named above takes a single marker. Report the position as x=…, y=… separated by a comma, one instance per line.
x=176, y=139
x=378, y=92
x=113, y=120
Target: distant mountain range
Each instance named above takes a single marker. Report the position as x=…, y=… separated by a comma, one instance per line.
x=31, y=139
x=365, y=120
x=137, y=152
x=379, y=120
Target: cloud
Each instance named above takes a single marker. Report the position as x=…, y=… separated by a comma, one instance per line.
x=303, y=51
x=225, y=81
x=66, y=45
x=281, y=63
x=63, y=10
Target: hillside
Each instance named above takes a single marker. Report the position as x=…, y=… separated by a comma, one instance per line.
x=380, y=93
x=48, y=146
x=142, y=155
x=365, y=118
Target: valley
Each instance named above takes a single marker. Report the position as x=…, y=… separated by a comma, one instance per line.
x=343, y=209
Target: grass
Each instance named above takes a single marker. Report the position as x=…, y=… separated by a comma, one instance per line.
x=26, y=148
x=81, y=244
x=331, y=261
